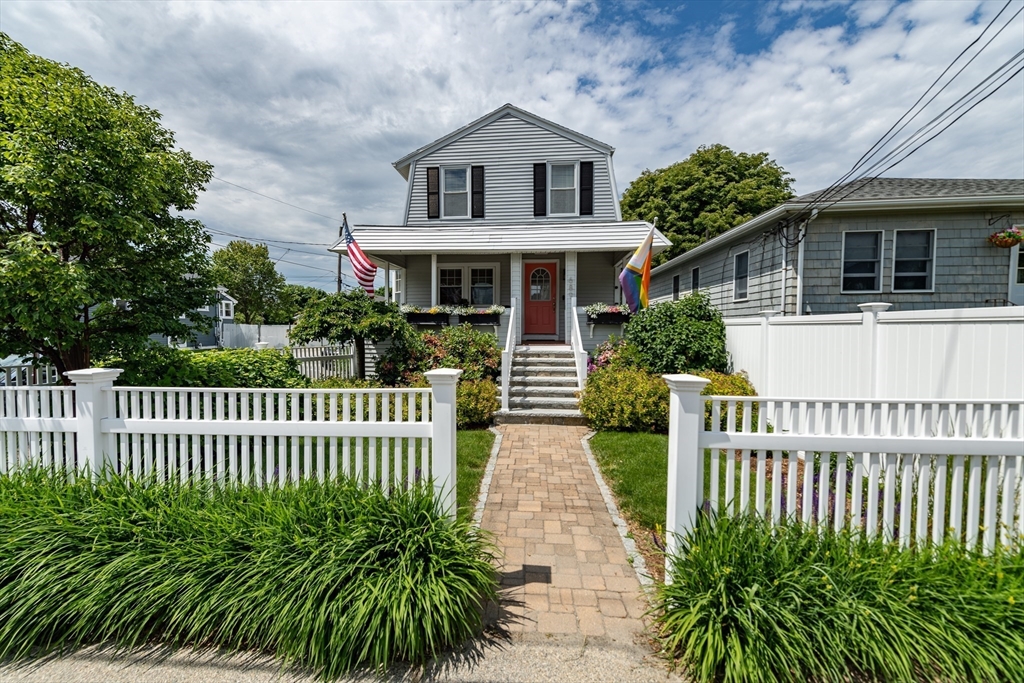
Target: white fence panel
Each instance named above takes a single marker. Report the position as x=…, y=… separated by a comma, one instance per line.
x=28, y=375
x=939, y=354
x=913, y=472
x=239, y=336
x=269, y=437
x=321, y=362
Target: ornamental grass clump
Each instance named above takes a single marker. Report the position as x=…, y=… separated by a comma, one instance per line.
x=329, y=577
x=796, y=603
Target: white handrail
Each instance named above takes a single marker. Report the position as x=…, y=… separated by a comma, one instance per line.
x=579, y=353
x=506, y=356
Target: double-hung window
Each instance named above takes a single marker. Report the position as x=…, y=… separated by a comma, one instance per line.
x=913, y=264
x=675, y=288
x=227, y=310
x=455, y=192
x=695, y=279
x=562, y=189
x=472, y=284
x=741, y=264
x=862, y=261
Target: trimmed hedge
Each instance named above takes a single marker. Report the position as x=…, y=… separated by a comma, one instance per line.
x=327, y=576
x=794, y=603
x=161, y=366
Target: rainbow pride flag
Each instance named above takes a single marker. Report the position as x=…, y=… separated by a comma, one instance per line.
x=636, y=276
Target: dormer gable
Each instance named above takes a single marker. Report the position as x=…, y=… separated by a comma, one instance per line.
x=510, y=166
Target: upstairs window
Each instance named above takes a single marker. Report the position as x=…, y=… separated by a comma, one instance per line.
x=563, y=188
x=741, y=263
x=913, y=261
x=455, y=192
x=227, y=310
x=862, y=262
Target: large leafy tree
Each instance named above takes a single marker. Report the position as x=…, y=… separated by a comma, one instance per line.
x=711, y=191
x=292, y=301
x=94, y=253
x=250, y=277
x=350, y=317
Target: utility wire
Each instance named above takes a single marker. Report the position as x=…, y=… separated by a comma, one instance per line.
x=264, y=239
x=275, y=199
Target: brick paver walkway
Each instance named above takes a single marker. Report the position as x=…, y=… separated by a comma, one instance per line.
x=565, y=568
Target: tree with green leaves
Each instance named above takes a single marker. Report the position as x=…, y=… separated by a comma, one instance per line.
x=95, y=255
x=292, y=300
x=249, y=275
x=711, y=191
x=351, y=316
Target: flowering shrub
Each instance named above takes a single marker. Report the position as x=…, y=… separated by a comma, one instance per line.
x=460, y=346
x=1008, y=237
x=593, y=310
x=614, y=352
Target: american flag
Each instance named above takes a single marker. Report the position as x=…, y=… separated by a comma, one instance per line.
x=363, y=267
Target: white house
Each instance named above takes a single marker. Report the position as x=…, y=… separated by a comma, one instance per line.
x=516, y=210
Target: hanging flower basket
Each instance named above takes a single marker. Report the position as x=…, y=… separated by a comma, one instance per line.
x=1007, y=238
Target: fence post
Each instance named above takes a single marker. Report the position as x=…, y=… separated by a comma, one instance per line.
x=92, y=405
x=869, y=318
x=442, y=387
x=685, y=474
x=764, y=381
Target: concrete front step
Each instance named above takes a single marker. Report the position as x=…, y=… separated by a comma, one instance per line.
x=535, y=402
x=545, y=361
x=540, y=416
x=530, y=390
x=541, y=371
x=544, y=351
x=543, y=381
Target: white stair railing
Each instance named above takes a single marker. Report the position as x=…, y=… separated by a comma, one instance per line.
x=506, y=356
x=578, y=352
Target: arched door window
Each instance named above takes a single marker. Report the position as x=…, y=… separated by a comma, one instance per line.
x=540, y=285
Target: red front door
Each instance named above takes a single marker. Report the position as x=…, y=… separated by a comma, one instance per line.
x=541, y=298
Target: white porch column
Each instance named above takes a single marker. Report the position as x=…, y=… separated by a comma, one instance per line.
x=516, y=283
x=433, y=280
x=570, y=292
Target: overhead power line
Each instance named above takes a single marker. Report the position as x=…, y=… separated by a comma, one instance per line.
x=279, y=201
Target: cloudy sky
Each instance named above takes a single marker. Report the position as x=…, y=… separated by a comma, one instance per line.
x=310, y=102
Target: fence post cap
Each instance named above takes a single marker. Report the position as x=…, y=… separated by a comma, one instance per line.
x=768, y=314
x=874, y=307
x=93, y=375
x=686, y=383
x=442, y=376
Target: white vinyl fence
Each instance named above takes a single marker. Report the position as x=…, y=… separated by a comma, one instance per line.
x=915, y=472
x=970, y=353
x=321, y=362
x=27, y=375
x=387, y=437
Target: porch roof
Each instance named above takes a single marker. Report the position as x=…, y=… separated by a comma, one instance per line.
x=526, y=237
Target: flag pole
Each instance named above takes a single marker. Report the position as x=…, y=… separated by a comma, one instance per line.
x=341, y=236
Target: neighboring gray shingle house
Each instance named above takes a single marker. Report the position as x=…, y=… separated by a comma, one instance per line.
x=918, y=243
x=223, y=310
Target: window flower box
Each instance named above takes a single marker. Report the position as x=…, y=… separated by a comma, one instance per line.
x=608, y=318
x=480, y=318
x=428, y=318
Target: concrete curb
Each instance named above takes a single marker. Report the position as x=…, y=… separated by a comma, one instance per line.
x=485, y=483
x=635, y=558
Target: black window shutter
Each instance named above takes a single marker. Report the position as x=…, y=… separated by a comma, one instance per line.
x=433, y=192
x=586, y=188
x=540, y=189
x=478, y=192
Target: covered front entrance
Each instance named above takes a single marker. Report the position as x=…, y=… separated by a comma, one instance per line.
x=540, y=315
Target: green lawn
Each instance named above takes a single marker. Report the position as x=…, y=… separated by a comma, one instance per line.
x=635, y=466
x=473, y=448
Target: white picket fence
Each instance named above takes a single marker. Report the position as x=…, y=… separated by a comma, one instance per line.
x=969, y=353
x=27, y=375
x=322, y=362
x=914, y=472
x=386, y=437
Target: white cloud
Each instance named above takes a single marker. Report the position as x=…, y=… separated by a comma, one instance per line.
x=311, y=102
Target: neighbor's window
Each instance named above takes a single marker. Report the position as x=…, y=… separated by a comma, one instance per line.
x=695, y=279
x=481, y=286
x=450, y=283
x=455, y=192
x=913, y=267
x=562, y=189
x=1020, y=266
x=741, y=262
x=675, y=288
x=226, y=310
x=862, y=261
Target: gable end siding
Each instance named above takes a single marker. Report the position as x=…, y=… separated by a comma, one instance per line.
x=508, y=148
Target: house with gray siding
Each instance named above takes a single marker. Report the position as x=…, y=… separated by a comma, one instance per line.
x=219, y=313
x=916, y=243
x=516, y=210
